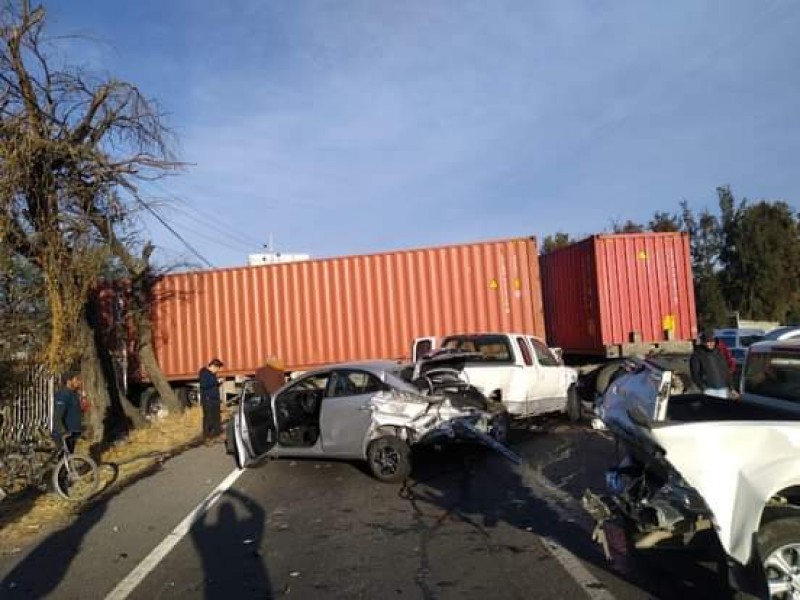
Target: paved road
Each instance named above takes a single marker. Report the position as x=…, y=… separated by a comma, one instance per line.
x=469, y=525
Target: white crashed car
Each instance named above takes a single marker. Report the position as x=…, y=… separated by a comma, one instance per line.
x=693, y=464
x=365, y=411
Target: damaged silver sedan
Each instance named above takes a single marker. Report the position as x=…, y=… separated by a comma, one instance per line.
x=366, y=411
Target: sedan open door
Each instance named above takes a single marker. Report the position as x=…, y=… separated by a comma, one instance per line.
x=254, y=424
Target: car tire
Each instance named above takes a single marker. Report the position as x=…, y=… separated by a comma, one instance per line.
x=499, y=426
x=389, y=459
x=606, y=375
x=679, y=384
x=470, y=397
x=573, y=405
x=779, y=537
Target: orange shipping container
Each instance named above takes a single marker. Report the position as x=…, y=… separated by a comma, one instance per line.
x=611, y=295
x=332, y=310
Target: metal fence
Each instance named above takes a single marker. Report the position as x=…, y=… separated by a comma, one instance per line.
x=29, y=408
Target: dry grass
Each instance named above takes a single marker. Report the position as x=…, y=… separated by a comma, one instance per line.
x=143, y=450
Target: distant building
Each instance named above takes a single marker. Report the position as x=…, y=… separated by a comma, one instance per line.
x=274, y=258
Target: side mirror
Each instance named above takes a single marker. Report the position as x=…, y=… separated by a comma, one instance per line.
x=559, y=354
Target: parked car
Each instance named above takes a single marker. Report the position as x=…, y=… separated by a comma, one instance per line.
x=516, y=369
x=780, y=334
x=366, y=411
x=695, y=466
x=738, y=340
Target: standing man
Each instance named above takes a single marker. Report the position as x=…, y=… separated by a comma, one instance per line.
x=709, y=369
x=210, y=399
x=726, y=353
x=67, y=417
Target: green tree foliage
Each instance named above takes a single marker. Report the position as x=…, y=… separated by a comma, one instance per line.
x=705, y=243
x=663, y=222
x=627, y=227
x=24, y=316
x=554, y=242
x=74, y=150
x=762, y=259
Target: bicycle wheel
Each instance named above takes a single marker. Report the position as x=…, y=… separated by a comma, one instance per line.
x=14, y=474
x=75, y=477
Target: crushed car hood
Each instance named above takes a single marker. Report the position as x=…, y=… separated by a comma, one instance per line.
x=736, y=466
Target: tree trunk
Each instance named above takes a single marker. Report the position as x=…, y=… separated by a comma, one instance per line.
x=147, y=359
x=111, y=412
x=94, y=385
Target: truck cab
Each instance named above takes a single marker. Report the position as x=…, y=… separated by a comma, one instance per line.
x=516, y=369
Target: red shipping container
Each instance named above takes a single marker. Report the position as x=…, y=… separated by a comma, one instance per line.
x=317, y=312
x=610, y=294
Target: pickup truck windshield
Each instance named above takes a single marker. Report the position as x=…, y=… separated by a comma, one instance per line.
x=493, y=348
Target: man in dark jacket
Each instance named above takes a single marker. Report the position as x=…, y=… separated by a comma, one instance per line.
x=210, y=399
x=67, y=417
x=709, y=369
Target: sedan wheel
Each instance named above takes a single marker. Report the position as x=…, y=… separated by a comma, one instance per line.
x=389, y=459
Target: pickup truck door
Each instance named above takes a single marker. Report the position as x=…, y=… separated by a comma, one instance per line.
x=550, y=393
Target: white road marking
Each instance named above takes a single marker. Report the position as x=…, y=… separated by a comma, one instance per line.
x=568, y=509
x=572, y=565
x=150, y=562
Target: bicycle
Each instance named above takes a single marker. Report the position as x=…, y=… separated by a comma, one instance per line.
x=74, y=477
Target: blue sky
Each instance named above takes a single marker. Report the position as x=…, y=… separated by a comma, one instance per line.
x=352, y=126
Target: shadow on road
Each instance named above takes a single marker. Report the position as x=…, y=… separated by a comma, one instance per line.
x=478, y=487
x=228, y=540
x=41, y=572
x=45, y=567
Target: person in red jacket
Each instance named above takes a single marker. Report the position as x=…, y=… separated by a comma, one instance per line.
x=726, y=353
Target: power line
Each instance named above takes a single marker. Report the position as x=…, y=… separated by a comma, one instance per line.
x=169, y=227
x=202, y=217
x=213, y=240
x=216, y=228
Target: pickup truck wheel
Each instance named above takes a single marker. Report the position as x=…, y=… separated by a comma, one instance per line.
x=573, y=405
x=499, y=427
x=779, y=545
x=389, y=459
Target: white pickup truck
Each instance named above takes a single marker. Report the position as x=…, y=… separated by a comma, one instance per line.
x=516, y=369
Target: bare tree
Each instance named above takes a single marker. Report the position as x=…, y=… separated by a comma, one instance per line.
x=74, y=150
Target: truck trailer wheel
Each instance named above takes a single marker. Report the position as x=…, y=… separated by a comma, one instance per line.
x=187, y=396
x=151, y=405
